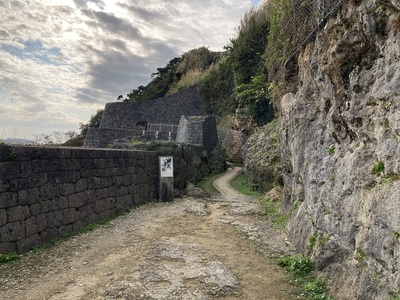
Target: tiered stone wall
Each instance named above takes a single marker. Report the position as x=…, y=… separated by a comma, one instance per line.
x=120, y=120
x=198, y=130
x=46, y=193
x=166, y=110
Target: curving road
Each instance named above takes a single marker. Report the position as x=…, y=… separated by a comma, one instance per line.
x=222, y=182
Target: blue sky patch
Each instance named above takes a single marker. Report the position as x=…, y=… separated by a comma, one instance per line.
x=34, y=50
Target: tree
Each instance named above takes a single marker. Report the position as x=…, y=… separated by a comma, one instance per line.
x=256, y=97
x=54, y=138
x=93, y=122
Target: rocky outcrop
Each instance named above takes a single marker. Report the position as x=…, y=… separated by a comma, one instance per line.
x=261, y=158
x=231, y=142
x=340, y=135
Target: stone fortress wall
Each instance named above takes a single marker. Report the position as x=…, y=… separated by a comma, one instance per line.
x=128, y=120
x=166, y=110
x=46, y=193
x=198, y=130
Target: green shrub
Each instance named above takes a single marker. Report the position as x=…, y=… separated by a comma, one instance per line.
x=8, y=257
x=299, y=268
x=378, y=168
x=299, y=265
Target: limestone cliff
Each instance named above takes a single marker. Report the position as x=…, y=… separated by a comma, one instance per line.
x=339, y=139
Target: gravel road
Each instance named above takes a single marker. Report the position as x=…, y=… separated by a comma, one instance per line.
x=213, y=248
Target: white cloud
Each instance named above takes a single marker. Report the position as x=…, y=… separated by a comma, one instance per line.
x=61, y=60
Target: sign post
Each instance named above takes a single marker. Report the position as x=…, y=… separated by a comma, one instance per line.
x=166, y=186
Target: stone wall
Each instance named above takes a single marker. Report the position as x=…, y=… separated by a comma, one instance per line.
x=46, y=193
x=106, y=137
x=166, y=110
x=198, y=130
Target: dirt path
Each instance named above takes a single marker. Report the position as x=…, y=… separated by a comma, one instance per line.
x=213, y=248
x=222, y=182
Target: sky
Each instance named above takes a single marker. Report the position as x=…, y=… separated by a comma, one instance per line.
x=62, y=60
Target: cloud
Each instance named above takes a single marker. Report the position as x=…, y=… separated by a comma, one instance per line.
x=61, y=60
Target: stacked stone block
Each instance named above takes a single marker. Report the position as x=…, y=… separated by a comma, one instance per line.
x=46, y=193
x=198, y=130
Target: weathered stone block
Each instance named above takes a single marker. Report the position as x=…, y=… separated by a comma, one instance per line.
x=81, y=185
x=76, y=200
x=100, y=206
x=64, y=176
x=89, y=197
x=19, y=184
x=18, y=213
x=105, y=173
x=71, y=164
x=28, y=196
x=40, y=165
x=28, y=243
x=78, y=225
x=93, y=218
x=31, y=227
x=70, y=215
x=4, y=186
x=37, y=179
x=117, y=180
x=55, y=218
x=94, y=183
x=67, y=189
x=7, y=247
x=110, y=203
x=3, y=217
x=49, y=191
x=26, y=168
x=41, y=222
x=60, y=203
x=101, y=193
x=9, y=170
x=8, y=200
x=128, y=180
x=41, y=207
x=49, y=235
x=65, y=230
x=12, y=231
x=87, y=164
x=106, y=214
x=86, y=211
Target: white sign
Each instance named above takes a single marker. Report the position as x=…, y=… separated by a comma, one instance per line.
x=166, y=166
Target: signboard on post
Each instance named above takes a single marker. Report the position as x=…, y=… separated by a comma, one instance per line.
x=166, y=166
x=166, y=187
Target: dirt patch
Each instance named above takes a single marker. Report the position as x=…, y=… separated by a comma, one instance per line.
x=187, y=249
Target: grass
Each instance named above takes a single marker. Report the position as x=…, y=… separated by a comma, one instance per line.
x=8, y=257
x=241, y=184
x=270, y=210
x=378, y=168
x=206, y=183
x=299, y=269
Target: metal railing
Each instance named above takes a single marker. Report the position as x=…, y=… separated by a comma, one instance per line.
x=160, y=127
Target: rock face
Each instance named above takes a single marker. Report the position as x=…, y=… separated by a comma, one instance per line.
x=261, y=158
x=231, y=143
x=340, y=151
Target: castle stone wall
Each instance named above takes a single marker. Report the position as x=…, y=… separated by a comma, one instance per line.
x=166, y=110
x=198, y=130
x=46, y=193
